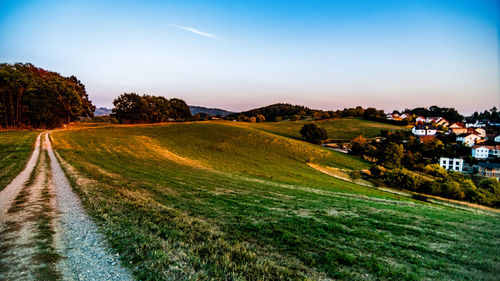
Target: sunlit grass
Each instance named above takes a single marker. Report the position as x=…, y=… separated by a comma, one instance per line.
x=218, y=201
x=15, y=149
x=337, y=129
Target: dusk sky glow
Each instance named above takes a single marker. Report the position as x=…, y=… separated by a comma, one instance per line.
x=238, y=55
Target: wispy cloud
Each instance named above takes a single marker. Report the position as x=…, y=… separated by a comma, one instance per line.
x=195, y=31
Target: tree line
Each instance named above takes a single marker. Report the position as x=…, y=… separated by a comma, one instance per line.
x=32, y=97
x=133, y=108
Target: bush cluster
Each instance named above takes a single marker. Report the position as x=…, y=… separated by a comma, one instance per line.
x=449, y=185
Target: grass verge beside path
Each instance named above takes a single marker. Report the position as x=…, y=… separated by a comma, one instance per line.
x=212, y=201
x=15, y=150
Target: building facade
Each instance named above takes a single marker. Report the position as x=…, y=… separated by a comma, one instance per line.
x=452, y=164
x=490, y=170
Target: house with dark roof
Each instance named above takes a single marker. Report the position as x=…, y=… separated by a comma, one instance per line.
x=424, y=130
x=491, y=170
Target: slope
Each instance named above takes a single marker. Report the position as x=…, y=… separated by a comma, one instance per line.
x=215, y=201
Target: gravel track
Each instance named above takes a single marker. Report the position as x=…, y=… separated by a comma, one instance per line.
x=87, y=255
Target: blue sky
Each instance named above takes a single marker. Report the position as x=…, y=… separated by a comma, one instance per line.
x=243, y=54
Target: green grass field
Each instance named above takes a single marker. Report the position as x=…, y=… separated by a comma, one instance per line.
x=15, y=149
x=218, y=201
x=342, y=128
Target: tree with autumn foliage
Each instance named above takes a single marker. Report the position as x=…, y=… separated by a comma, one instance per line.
x=36, y=98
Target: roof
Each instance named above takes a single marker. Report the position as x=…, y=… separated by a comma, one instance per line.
x=425, y=127
x=426, y=138
x=489, y=165
x=456, y=125
x=487, y=146
x=467, y=134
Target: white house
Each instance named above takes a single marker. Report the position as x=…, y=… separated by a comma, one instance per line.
x=455, y=126
x=424, y=130
x=403, y=116
x=420, y=119
x=485, y=151
x=475, y=125
x=481, y=151
x=468, y=139
x=497, y=138
x=452, y=164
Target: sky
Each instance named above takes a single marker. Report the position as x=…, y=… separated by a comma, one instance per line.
x=239, y=55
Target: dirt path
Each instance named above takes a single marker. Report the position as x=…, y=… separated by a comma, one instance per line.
x=44, y=232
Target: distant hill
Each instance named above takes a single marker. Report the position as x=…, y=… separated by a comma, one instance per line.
x=270, y=112
x=102, y=111
x=211, y=111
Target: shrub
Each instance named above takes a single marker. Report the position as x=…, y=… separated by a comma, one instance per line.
x=375, y=170
x=451, y=189
x=313, y=133
x=401, y=178
x=354, y=174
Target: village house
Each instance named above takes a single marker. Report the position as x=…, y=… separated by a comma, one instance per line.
x=419, y=120
x=431, y=119
x=486, y=151
x=451, y=164
x=497, y=138
x=457, y=129
x=424, y=130
x=479, y=131
x=469, y=139
x=442, y=122
x=475, y=125
x=403, y=116
x=491, y=170
x=395, y=116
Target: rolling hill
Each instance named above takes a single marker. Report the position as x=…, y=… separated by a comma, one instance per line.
x=219, y=200
x=210, y=111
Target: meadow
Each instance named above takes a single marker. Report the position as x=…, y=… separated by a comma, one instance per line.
x=338, y=129
x=15, y=149
x=232, y=201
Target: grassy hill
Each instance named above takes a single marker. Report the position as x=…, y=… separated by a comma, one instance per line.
x=15, y=149
x=342, y=128
x=210, y=111
x=231, y=201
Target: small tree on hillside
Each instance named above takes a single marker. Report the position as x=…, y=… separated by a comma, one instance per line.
x=313, y=133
